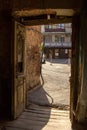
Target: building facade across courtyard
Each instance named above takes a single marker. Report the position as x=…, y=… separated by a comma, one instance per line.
x=57, y=40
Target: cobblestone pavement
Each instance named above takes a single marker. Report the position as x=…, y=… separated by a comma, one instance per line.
x=56, y=88
x=54, y=91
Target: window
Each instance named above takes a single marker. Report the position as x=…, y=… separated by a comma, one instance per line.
x=59, y=39
x=48, y=39
x=62, y=39
x=50, y=26
x=56, y=38
x=54, y=26
x=58, y=25
x=46, y=26
x=61, y=26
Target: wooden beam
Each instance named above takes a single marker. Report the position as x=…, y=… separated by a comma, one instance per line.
x=30, y=22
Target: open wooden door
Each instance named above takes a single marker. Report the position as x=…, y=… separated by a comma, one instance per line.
x=19, y=90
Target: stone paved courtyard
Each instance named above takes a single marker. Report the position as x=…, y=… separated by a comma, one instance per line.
x=55, y=91
x=56, y=88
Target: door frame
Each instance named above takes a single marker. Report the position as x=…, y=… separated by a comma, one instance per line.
x=15, y=74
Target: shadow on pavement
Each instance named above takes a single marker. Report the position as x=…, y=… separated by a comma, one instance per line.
x=35, y=117
x=40, y=97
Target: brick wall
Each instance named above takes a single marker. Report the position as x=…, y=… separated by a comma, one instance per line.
x=33, y=42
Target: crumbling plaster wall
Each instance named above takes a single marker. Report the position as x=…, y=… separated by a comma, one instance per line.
x=33, y=46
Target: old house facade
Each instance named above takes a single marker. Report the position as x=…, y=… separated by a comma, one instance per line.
x=57, y=39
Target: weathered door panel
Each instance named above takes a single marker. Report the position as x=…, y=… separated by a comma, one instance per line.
x=19, y=70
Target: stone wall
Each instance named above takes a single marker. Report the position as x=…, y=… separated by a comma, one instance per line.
x=5, y=63
x=33, y=42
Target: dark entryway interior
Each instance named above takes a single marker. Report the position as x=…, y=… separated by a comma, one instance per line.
x=15, y=15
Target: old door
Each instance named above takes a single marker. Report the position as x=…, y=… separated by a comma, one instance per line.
x=19, y=70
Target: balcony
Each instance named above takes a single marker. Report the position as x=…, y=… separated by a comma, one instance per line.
x=54, y=30
x=60, y=45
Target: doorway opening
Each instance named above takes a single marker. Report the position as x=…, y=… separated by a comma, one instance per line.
x=54, y=90
x=41, y=106
x=55, y=65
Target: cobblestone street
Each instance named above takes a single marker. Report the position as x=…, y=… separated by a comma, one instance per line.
x=55, y=91
x=56, y=88
x=56, y=81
